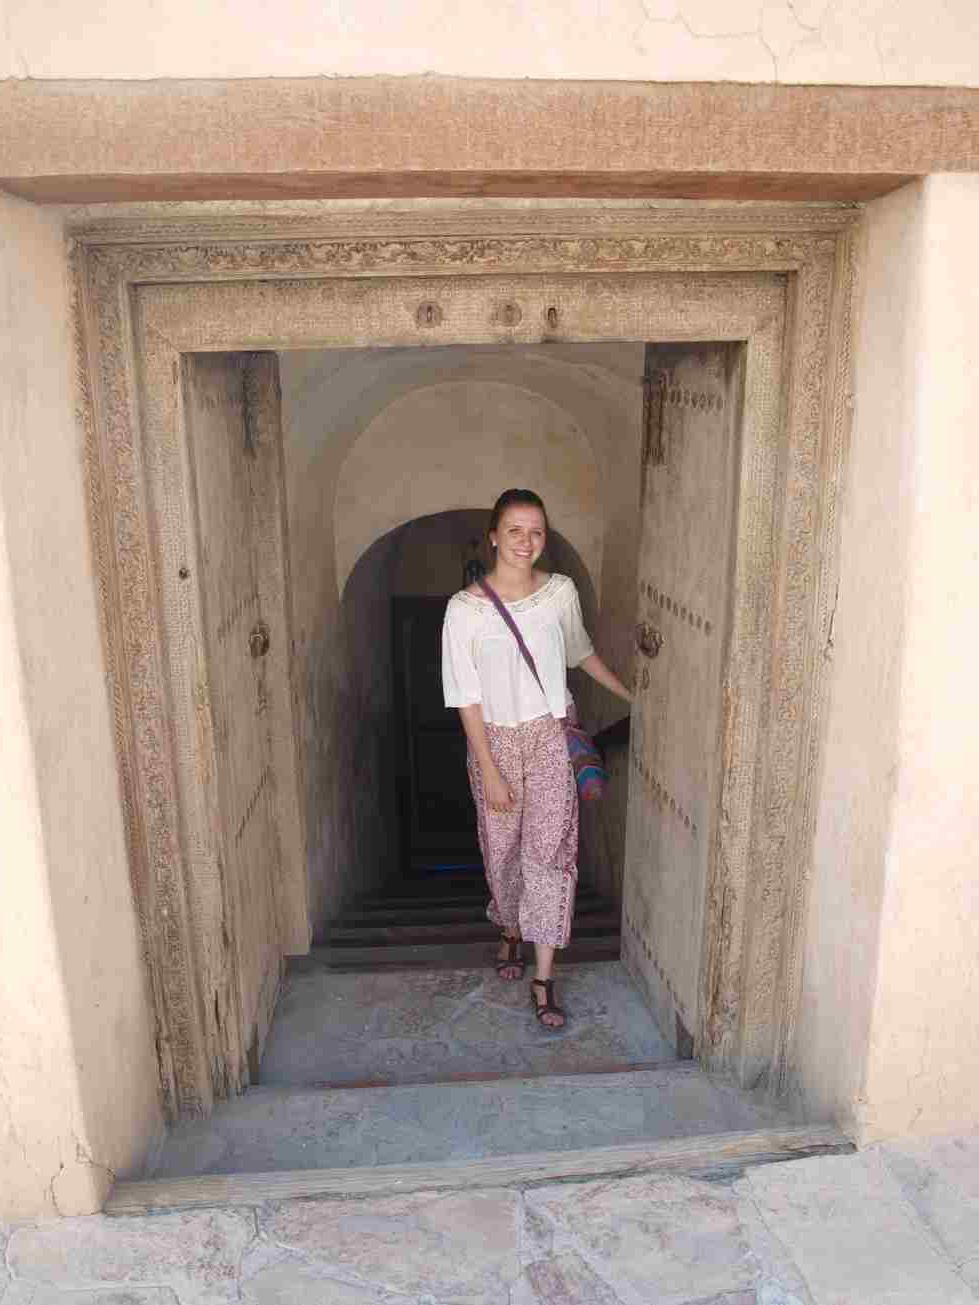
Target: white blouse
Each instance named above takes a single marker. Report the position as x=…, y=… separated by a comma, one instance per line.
x=482, y=663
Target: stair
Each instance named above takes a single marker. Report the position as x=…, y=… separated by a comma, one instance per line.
x=439, y=922
x=376, y=1082
x=708, y=1156
x=273, y=1144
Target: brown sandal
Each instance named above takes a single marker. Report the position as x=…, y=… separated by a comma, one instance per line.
x=550, y=1006
x=512, y=961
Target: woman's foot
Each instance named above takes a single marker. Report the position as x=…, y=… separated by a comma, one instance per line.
x=509, y=959
x=548, y=1012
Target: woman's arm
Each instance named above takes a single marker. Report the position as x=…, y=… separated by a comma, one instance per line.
x=498, y=795
x=600, y=673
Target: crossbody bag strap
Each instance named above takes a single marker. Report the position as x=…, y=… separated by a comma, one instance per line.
x=494, y=597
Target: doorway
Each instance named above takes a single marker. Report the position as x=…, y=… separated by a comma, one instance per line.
x=438, y=830
x=776, y=292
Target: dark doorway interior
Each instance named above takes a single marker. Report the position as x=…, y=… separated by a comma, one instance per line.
x=435, y=808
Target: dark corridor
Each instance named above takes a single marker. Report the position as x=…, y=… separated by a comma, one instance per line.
x=436, y=814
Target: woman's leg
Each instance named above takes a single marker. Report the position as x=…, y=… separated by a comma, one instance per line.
x=549, y=847
x=499, y=841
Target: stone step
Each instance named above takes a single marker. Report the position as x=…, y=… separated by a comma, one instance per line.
x=710, y=1156
x=410, y=889
x=274, y=1129
x=393, y=1026
x=594, y=925
x=438, y=955
x=406, y=889
x=445, y=890
x=387, y=912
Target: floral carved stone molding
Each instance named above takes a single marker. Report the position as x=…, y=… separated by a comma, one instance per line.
x=167, y=282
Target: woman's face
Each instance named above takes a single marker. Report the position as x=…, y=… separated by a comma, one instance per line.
x=520, y=537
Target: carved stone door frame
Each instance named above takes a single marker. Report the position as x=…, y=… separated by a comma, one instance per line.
x=151, y=289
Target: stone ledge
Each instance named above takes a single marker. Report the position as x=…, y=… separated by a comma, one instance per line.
x=725, y=1153
x=429, y=136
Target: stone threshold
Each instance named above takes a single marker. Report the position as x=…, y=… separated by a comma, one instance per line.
x=610, y=1069
x=715, y=1156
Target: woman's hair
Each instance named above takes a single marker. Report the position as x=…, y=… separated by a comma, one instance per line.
x=515, y=498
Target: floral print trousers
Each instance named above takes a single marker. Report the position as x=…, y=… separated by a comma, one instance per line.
x=530, y=853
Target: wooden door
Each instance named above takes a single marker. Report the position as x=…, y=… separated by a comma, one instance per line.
x=438, y=819
x=240, y=923
x=685, y=569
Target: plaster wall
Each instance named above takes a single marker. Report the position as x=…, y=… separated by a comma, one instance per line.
x=78, y=1073
x=922, y=1061
x=891, y=988
x=871, y=42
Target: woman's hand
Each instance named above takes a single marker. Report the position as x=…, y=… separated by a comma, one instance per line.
x=495, y=788
x=600, y=673
x=497, y=791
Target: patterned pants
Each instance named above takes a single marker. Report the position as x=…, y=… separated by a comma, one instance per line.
x=530, y=852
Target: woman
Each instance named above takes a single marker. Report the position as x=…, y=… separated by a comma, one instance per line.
x=521, y=776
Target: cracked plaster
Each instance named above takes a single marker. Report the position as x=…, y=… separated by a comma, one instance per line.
x=871, y=42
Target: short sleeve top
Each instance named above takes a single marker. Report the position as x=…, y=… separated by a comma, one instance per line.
x=481, y=662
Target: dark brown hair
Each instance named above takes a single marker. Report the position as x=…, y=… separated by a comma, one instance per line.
x=516, y=498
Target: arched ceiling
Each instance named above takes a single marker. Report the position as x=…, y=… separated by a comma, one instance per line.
x=344, y=393
x=455, y=445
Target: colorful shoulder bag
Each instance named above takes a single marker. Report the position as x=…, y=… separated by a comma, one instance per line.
x=586, y=761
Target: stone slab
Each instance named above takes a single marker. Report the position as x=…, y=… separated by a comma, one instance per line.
x=4, y=1272
x=270, y=1130
x=195, y=1254
x=705, y=1156
x=397, y=1027
x=940, y=1179
x=286, y=1279
x=33, y=1293
x=458, y=1246
x=669, y=1239
x=852, y=1233
x=563, y=1280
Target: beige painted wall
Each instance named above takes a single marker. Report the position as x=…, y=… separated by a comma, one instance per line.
x=890, y=1019
x=78, y=1075
x=898, y=42
x=923, y=1060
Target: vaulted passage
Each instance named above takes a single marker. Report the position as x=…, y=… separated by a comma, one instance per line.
x=393, y=458
x=395, y=1023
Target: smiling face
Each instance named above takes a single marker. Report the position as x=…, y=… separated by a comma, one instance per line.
x=520, y=536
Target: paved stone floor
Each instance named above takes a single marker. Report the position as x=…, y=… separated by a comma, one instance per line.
x=894, y=1225
x=402, y=1026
